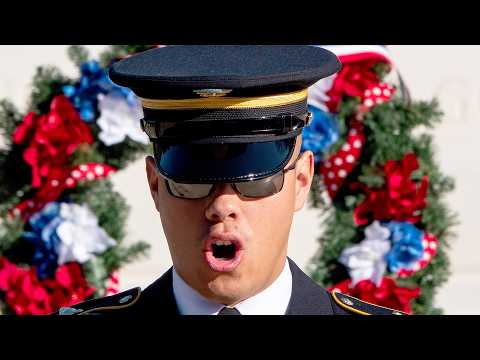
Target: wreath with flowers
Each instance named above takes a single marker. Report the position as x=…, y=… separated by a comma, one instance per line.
x=387, y=226
x=62, y=223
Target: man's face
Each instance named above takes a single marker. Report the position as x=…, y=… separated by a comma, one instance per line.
x=260, y=226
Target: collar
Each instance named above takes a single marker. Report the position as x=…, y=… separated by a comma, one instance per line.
x=273, y=300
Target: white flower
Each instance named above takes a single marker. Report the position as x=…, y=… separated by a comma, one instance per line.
x=80, y=236
x=118, y=120
x=366, y=260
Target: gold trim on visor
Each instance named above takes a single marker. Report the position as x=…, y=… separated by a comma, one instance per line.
x=225, y=102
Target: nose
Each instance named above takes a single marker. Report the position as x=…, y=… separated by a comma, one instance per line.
x=224, y=204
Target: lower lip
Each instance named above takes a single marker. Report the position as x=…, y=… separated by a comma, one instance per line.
x=223, y=265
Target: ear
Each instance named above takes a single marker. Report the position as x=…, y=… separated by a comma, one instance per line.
x=153, y=178
x=304, y=175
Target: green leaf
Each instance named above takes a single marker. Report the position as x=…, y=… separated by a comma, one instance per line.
x=47, y=83
x=78, y=54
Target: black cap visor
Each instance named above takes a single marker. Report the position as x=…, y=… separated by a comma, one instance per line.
x=222, y=162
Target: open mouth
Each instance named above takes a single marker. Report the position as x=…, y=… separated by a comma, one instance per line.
x=223, y=250
x=223, y=255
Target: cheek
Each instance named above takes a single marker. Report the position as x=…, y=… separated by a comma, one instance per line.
x=180, y=219
x=271, y=218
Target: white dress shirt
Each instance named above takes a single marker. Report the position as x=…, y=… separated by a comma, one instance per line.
x=271, y=301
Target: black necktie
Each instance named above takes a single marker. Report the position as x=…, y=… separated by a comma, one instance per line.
x=229, y=311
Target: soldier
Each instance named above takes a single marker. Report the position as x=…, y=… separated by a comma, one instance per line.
x=226, y=178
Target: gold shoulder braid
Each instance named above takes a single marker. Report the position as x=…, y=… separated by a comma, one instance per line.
x=103, y=305
x=361, y=307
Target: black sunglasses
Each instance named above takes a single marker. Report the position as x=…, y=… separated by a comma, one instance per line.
x=251, y=189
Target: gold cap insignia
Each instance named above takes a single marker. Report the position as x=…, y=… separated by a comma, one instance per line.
x=212, y=92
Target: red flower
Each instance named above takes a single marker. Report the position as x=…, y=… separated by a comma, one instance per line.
x=50, y=191
x=353, y=80
x=57, y=181
x=388, y=294
x=7, y=270
x=51, y=138
x=23, y=291
x=27, y=295
x=400, y=199
x=26, y=129
x=69, y=286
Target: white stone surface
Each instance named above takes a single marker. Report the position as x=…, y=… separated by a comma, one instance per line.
x=449, y=72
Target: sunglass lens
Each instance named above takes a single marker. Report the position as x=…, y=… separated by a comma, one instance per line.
x=263, y=187
x=189, y=191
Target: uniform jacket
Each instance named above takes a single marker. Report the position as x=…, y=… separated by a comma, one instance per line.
x=308, y=298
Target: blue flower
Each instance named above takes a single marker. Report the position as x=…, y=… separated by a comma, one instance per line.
x=322, y=132
x=94, y=80
x=44, y=238
x=123, y=92
x=407, y=247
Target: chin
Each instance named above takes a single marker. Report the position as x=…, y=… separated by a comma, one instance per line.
x=228, y=289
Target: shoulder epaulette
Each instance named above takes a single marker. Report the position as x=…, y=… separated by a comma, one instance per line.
x=103, y=305
x=357, y=306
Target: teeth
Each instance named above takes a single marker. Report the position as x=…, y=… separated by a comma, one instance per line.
x=223, y=243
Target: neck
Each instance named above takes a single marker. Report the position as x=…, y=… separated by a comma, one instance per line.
x=232, y=300
x=272, y=298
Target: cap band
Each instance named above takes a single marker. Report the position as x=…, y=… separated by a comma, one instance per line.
x=225, y=102
x=280, y=124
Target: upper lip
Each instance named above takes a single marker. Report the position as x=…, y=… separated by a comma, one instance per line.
x=216, y=236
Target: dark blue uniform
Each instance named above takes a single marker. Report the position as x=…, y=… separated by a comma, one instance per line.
x=308, y=298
